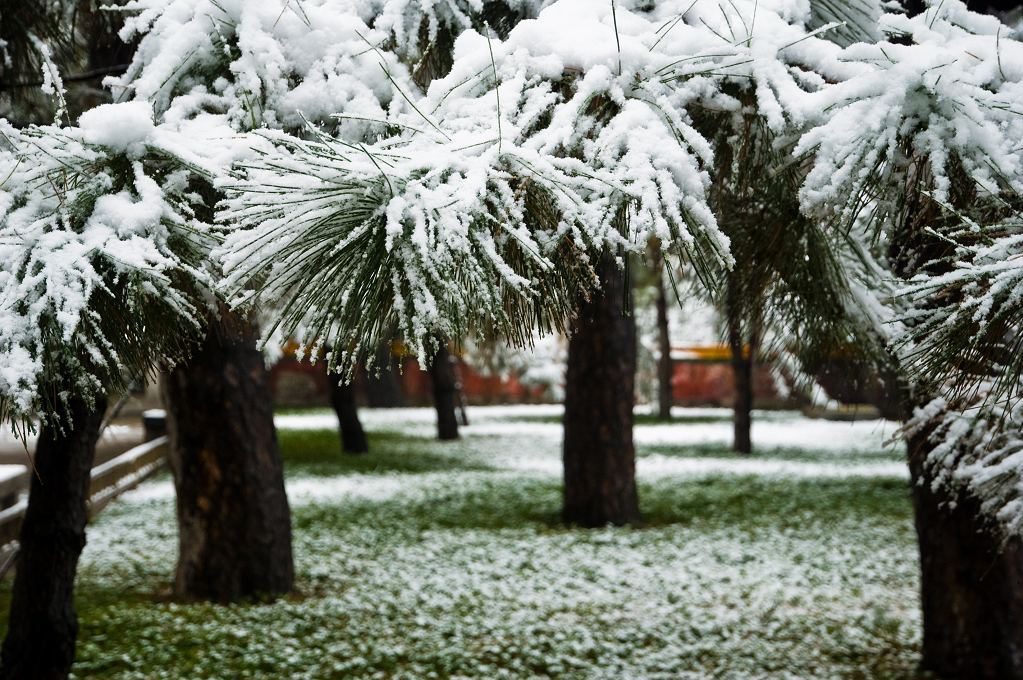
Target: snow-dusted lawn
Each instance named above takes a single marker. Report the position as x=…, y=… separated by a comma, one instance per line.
x=426, y=559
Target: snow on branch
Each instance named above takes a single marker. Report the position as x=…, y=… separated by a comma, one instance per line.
x=101, y=263
x=977, y=448
x=480, y=205
x=965, y=325
x=272, y=63
x=936, y=104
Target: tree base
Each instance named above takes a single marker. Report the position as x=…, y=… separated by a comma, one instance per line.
x=971, y=587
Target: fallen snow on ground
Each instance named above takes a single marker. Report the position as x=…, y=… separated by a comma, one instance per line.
x=771, y=429
x=528, y=438
x=795, y=563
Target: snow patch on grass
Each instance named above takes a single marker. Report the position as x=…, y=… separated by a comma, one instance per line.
x=747, y=568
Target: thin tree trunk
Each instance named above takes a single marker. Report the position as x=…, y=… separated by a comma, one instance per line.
x=599, y=455
x=40, y=642
x=742, y=370
x=461, y=401
x=383, y=388
x=234, y=521
x=971, y=585
x=445, y=392
x=664, y=366
x=342, y=398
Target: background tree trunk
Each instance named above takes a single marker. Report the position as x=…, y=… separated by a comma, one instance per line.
x=599, y=455
x=664, y=365
x=971, y=585
x=383, y=384
x=234, y=522
x=461, y=402
x=742, y=370
x=445, y=392
x=40, y=642
x=342, y=398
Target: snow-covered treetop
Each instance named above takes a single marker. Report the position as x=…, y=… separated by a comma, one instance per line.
x=939, y=101
x=571, y=137
x=279, y=63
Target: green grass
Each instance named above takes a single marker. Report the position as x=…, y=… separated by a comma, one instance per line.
x=642, y=419
x=747, y=503
x=318, y=452
x=424, y=559
x=783, y=453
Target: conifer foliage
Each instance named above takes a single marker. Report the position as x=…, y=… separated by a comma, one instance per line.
x=104, y=264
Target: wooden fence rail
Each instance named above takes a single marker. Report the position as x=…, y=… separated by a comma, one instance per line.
x=109, y=480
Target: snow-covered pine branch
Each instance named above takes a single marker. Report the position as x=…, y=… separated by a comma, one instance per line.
x=262, y=64
x=481, y=213
x=977, y=448
x=964, y=329
x=937, y=103
x=102, y=267
x=278, y=63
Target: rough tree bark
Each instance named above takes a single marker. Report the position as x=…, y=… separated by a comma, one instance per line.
x=233, y=516
x=742, y=370
x=40, y=642
x=445, y=392
x=599, y=454
x=664, y=392
x=342, y=398
x=971, y=585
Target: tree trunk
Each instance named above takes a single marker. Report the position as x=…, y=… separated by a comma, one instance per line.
x=383, y=387
x=742, y=370
x=971, y=585
x=234, y=522
x=445, y=392
x=664, y=366
x=40, y=642
x=462, y=402
x=342, y=398
x=599, y=455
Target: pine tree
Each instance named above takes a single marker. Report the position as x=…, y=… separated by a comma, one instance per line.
x=938, y=168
